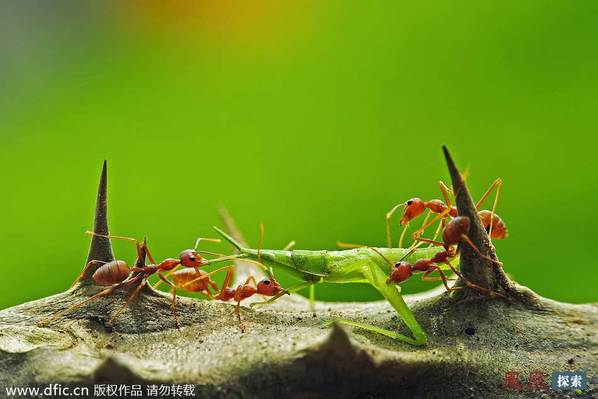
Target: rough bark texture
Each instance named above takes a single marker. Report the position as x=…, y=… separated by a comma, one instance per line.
x=285, y=352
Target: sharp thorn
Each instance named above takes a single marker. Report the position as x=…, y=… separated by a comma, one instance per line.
x=100, y=248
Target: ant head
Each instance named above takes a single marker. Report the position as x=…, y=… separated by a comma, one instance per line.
x=400, y=273
x=190, y=258
x=413, y=208
x=269, y=287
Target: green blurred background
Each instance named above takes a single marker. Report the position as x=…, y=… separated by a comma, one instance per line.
x=312, y=117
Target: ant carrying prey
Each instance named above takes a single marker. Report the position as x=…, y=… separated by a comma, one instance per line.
x=198, y=281
x=455, y=232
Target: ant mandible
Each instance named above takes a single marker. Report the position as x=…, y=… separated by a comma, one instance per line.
x=116, y=274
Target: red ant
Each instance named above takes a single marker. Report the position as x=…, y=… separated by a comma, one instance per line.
x=268, y=286
x=414, y=207
x=454, y=233
x=117, y=274
x=199, y=281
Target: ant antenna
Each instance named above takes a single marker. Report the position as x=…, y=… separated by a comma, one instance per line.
x=260, y=262
x=383, y=257
x=389, y=216
x=411, y=251
x=260, y=243
x=200, y=239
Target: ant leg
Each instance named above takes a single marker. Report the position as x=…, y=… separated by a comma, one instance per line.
x=207, y=276
x=137, y=245
x=389, y=216
x=440, y=225
x=213, y=285
x=260, y=243
x=250, y=279
x=476, y=287
x=71, y=308
x=129, y=300
x=496, y=184
x=111, y=237
x=402, y=237
x=465, y=238
x=157, y=284
x=441, y=216
x=312, y=299
x=149, y=254
x=433, y=242
x=209, y=262
x=445, y=190
x=498, y=189
x=208, y=294
x=238, y=312
x=173, y=305
x=424, y=225
x=442, y=277
x=85, y=269
x=226, y=283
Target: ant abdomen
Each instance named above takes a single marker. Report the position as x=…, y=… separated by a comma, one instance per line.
x=111, y=273
x=499, y=229
x=183, y=278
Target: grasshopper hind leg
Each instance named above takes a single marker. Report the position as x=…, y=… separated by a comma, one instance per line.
x=377, y=278
x=378, y=330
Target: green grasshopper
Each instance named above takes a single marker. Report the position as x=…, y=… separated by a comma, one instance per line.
x=358, y=265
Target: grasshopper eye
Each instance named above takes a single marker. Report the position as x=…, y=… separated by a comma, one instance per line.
x=409, y=202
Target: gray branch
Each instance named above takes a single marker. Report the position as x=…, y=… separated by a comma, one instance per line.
x=285, y=352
